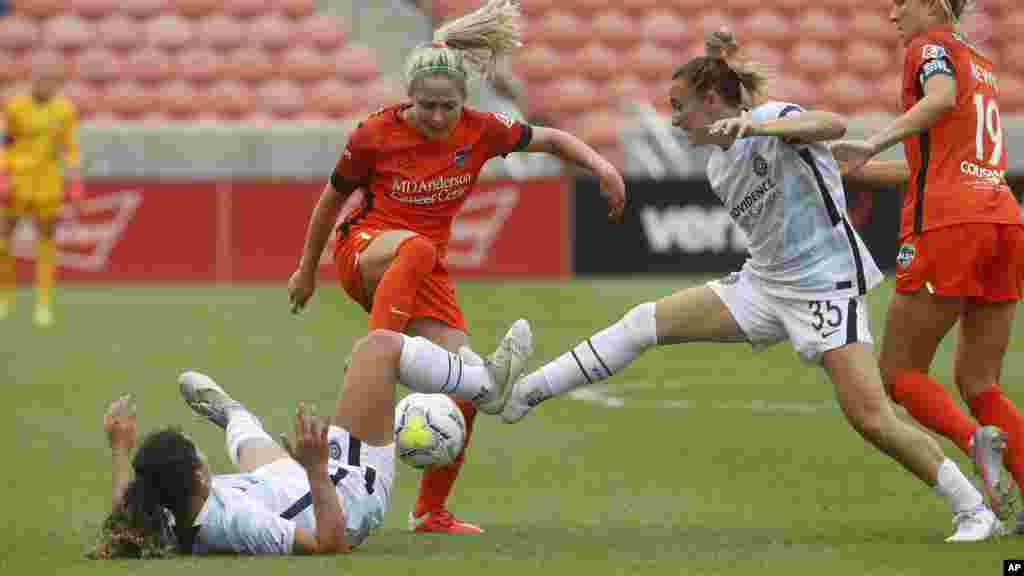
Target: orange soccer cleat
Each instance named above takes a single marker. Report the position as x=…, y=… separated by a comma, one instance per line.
x=441, y=521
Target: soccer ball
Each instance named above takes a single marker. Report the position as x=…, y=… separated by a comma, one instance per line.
x=429, y=430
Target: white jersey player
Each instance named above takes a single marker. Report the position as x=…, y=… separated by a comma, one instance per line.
x=324, y=497
x=804, y=281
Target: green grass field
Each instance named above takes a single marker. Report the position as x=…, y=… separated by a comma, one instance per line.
x=698, y=459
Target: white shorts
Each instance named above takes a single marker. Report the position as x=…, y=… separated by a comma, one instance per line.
x=813, y=327
x=362, y=474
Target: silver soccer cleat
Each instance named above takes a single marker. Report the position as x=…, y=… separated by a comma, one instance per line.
x=206, y=398
x=506, y=364
x=987, y=448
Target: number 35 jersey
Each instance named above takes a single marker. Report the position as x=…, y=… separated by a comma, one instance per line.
x=958, y=165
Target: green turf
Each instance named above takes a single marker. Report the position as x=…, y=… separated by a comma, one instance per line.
x=716, y=461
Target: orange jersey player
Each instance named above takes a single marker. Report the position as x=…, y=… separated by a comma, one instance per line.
x=418, y=162
x=961, y=254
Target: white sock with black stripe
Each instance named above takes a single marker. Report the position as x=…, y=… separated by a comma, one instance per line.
x=426, y=367
x=596, y=358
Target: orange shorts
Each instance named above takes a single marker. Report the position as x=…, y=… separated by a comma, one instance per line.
x=435, y=298
x=983, y=261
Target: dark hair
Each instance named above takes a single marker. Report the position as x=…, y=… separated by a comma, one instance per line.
x=720, y=70
x=162, y=488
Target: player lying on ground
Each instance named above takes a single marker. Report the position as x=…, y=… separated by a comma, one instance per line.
x=805, y=279
x=324, y=501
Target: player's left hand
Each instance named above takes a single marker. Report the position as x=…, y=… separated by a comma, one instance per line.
x=119, y=423
x=737, y=127
x=852, y=155
x=310, y=440
x=614, y=191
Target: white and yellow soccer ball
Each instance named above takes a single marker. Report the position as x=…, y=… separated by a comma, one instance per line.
x=429, y=430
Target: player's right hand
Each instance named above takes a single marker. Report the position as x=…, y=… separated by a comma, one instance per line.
x=119, y=423
x=300, y=289
x=310, y=440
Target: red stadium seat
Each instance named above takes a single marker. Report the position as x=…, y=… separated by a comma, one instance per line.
x=765, y=25
x=97, y=64
x=568, y=97
x=221, y=32
x=228, y=99
x=597, y=62
x=845, y=93
x=869, y=58
x=794, y=88
x=639, y=7
x=67, y=32
x=650, y=62
x=538, y=63
x=322, y=32
x=271, y=31
x=13, y=68
x=821, y=25
x=561, y=29
x=18, y=32
x=537, y=7
x=179, y=100
x=331, y=98
x=297, y=8
x=93, y=9
x=88, y=98
x=1011, y=93
x=586, y=9
x=129, y=100
x=888, y=92
x=121, y=33
x=666, y=29
x=304, y=65
x=198, y=8
x=617, y=29
x=245, y=8
x=151, y=66
x=810, y=57
x=626, y=89
x=379, y=93
x=599, y=129
x=249, y=64
x=200, y=65
x=713, y=19
x=169, y=32
x=870, y=25
x=356, y=64
x=142, y=9
x=39, y=8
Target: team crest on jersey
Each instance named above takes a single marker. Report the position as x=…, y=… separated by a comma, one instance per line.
x=760, y=165
x=506, y=120
x=932, y=51
x=905, y=256
x=461, y=155
x=334, y=450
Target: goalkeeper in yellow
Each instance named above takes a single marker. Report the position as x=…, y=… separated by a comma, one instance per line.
x=40, y=155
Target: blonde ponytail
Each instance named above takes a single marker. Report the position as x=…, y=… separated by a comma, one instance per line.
x=469, y=45
x=753, y=76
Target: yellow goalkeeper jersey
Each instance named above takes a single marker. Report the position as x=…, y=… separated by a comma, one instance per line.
x=40, y=136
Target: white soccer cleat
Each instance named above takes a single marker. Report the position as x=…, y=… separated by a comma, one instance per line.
x=987, y=448
x=44, y=316
x=975, y=525
x=520, y=402
x=206, y=398
x=506, y=364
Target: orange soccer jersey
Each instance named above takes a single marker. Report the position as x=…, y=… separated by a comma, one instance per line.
x=414, y=183
x=958, y=166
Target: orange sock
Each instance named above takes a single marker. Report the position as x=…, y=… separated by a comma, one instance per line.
x=436, y=483
x=993, y=408
x=396, y=292
x=932, y=405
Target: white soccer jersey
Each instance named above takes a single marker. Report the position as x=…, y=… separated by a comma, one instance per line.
x=790, y=202
x=258, y=512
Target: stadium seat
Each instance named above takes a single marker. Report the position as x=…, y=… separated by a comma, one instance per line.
x=142, y=9
x=93, y=9
x=198, y=8
x=119, y=32
x=561, y=29
x=281, y=98
x=1011, y=93
x=305, y=65
x=626, y=89
x=665, y=28
x=129, y=100
x=297, y=8
x=355, y=63
x=97, y=64
x=538, y=63
x=249, y=64
x=88, y=97
x=810, y=57
x=567, y=97
x=764, y=53
x=179, y=100
x=650, y=62
x=220, y=32
x=169, y=32
x=200, y=65
x=321, y=31
x=1011, y=58
x=271, y=31
x=617, y=29
x=151, y=66
x=245, y=8
x=794, y=88
x=38, y=8
x=537, y=7
x=639, y=7
x=599, y=129
x=867, y=58
x=820, y=25
x=764, y=25
x=845, y=93
x=586, y=9
x=978, y=27
x=378, y=93
x=228, y=99
x=597, y=62
x=13, y=68
x=331, y=98
x=870, y=25
x=18, y=32
x=888, y=92
x=713, y=19
x=67, y=32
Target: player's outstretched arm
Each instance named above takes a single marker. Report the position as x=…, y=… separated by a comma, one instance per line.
x=880, y=172
x=572, y=149
x=119, y=424
x=312, y=452
x=302, y=283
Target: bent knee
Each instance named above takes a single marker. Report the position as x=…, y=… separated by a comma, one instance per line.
x=379, y=342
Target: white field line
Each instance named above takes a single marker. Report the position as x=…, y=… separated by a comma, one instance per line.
x=618, y=397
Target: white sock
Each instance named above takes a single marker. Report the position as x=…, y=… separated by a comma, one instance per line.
x=243, y=427
x=597, y=358
x=428, y=368
x=952, y=485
